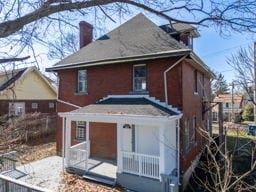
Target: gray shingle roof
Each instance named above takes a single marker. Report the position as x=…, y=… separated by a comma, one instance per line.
x=128, y=106
x=138, y=36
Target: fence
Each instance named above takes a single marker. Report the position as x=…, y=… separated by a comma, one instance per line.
x=8, y=184
x=141, y=164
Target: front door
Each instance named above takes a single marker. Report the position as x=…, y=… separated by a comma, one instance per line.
x=128, y=138
x=16, y=108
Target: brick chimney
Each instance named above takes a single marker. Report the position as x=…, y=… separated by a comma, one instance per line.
x=86, y=33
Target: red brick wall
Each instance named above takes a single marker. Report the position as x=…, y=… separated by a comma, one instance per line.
x=117, y=79
x=192, y=106
x=43, y=106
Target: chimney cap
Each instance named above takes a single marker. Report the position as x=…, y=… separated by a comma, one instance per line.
x=85, y=23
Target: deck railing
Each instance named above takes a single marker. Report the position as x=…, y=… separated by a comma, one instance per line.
x=77, y=156
x=8, y=184
x=141, y=164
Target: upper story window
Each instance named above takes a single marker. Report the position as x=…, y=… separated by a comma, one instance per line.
x=82, y=81
x=195, y=82
x=203, y=91
x=139, y=78
x=193, y=137
x=227, y=105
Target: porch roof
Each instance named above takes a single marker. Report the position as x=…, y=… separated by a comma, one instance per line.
x=137, y=105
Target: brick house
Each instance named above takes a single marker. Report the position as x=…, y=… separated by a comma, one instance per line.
x=26, y=90
x=135, y=96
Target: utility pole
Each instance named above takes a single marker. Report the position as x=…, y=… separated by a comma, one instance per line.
x=221, y=131
x=232, y=103
x=254, y=92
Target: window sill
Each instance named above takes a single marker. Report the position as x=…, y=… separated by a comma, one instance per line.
x=79, y=140
x=195, y=93
x=138, y=93
x=80, y=93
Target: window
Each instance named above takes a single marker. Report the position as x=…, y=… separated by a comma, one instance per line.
x=34, y=105
x=139, y=78
x=51, y=105
x=81, y=130
x=187, y=136
x=227, y=105
x=82, y=81
x=195, y=81
x=203, y=92
x=193, y=137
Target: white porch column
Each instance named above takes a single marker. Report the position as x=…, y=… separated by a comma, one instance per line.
x=161, y=150
x=67, y=140
x=87, y=144
x=63, y=143
x=119, y=148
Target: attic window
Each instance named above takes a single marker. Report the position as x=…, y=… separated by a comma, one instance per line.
x=139, y=78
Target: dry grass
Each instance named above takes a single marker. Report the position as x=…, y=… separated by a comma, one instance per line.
x=36, y=149
x=74, y=183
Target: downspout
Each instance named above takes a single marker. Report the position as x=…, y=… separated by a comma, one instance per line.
x=165, y=76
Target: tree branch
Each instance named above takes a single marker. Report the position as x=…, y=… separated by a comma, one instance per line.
x=13, y=59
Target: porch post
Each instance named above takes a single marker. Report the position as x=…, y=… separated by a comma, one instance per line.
x=68, y=140
x=87, y=144
x=63, y=142
x=119, y=148
x=161, y=150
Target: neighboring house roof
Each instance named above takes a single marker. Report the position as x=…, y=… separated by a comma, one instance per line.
x=227, y=98
x=136, y=40
x=11, y=77
x=129, y=105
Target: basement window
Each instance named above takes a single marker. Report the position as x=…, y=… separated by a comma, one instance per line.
x=139, y=78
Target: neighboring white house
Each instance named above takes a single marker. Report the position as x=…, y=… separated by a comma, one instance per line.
x=231, y=105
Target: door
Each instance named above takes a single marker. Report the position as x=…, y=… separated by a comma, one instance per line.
x=16, y=108
x=128, y=138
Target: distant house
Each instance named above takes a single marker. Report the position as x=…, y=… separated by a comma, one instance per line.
x=231, y=105
x=134, y=98
x=26, y=91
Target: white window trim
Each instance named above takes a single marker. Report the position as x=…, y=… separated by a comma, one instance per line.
x=133, y=78
x=34, y=105
x=85, y=81
x=78, y=136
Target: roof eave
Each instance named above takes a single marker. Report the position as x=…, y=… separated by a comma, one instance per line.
x=159, y=55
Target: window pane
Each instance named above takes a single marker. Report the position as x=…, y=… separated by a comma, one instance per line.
x=139, y=78
x=82, y=81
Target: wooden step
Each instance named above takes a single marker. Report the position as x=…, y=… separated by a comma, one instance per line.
x=100, y=179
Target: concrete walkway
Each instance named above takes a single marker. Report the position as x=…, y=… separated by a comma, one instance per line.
x=45, y=173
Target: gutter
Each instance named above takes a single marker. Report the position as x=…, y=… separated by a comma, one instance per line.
x=68, y=103
x=159, y=55
x=165, y=76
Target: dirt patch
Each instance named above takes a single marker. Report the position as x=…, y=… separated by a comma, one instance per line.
x=74, y=183
x=36, y=149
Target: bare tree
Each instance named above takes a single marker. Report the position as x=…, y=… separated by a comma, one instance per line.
x=217, y=170
x=24, y=23
x=243, y=64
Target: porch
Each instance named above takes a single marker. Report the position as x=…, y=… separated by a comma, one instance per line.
x=121, y=141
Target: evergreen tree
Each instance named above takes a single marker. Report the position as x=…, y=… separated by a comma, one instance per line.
x=220, y=85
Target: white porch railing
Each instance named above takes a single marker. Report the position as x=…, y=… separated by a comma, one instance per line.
x=77, y=156
x=140, y=164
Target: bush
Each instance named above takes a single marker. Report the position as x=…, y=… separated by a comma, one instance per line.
x=248, y=113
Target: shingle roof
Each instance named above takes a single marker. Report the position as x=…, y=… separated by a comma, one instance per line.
x=130, y=106
x=138, y=36
x=9, y=77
